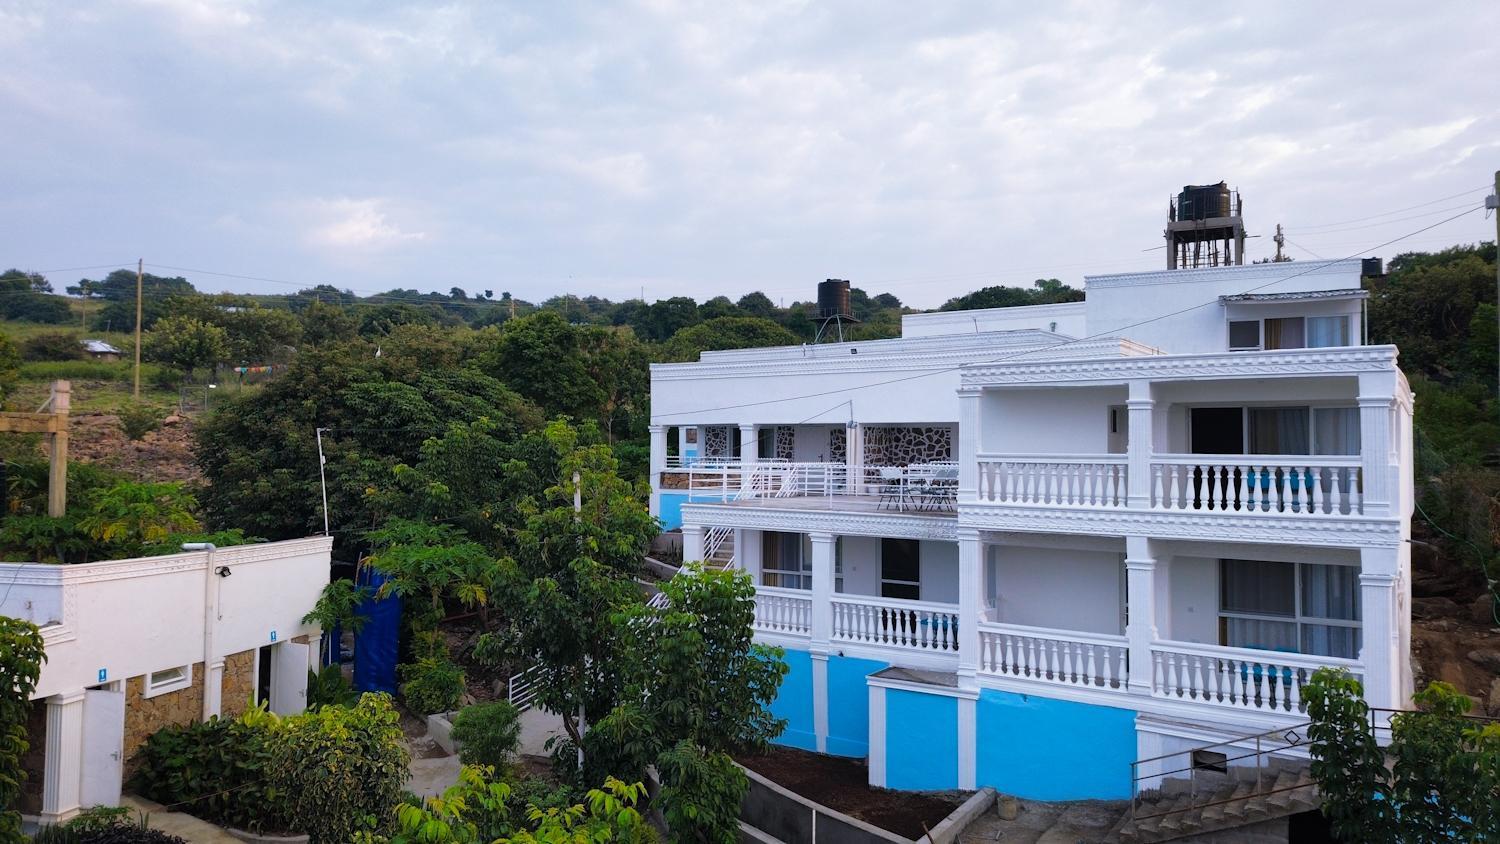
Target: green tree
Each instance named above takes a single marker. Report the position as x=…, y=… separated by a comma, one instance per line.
x=540, y=357
x=129, y=516
x=53, y=345
x=1044, y=291
x=185, y=344
x=21, y=658
x=730, y=332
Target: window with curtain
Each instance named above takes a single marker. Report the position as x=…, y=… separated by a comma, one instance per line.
x=1335, y=430
x=1326, y=331
x=1306, y=608
x=1284, y=333
x=782, y=562
x=1279, y=430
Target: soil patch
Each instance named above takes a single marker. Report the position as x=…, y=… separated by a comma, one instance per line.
x=843, y=785
x=165, y=454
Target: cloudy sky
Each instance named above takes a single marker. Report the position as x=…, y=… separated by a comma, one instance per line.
x=707, y=148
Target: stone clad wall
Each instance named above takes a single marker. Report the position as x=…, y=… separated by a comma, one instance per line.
x=34, y=759
x=144, y=716
x=239, y=683
x=890, y=445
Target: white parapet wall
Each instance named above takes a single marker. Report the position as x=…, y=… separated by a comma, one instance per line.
x=126, y=618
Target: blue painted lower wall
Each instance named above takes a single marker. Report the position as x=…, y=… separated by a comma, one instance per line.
x=794, y=702
x=921, y=740
x=671, y=506
x=1044, y=749
x=849, y=705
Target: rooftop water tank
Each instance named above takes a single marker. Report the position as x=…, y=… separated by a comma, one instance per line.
x=1200, y=202
x=833, y=299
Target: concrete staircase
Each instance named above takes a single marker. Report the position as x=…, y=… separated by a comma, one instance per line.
x=720, y=553
x=1219, y=801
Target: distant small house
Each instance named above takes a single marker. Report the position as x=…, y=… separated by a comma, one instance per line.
x=100, y=350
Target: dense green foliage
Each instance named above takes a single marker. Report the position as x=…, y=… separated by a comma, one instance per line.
x=342, y=768
x=488, y=734
x=1440, y=309
x=1438, y=780
x=1044, y=291
x=52, y=345
x=219, y=769
x=105, y=825
x=21, y=658
x=431, y=684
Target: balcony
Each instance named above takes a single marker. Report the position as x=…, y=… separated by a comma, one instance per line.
x=927, y=488
x=1309, y=486
x=1085, y=481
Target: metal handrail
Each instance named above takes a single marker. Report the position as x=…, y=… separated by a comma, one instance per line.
x=1224, y=743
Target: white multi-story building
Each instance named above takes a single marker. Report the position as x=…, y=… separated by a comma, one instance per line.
x=1025, y=547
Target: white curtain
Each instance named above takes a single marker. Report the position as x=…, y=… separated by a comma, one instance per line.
x=1323, y=332
x=1279, y=430
x=1258, y=587
x=1336, y=430
x=1261, y=634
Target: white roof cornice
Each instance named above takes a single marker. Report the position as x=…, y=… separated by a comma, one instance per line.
x=1250, y=273
x=1210, y=366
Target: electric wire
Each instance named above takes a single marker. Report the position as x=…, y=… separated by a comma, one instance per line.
x=1034, y=351
x=1486, y=186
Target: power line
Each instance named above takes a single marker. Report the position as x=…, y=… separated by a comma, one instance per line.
x=1033, y=351
x=1326, y=230
x=1398, y=210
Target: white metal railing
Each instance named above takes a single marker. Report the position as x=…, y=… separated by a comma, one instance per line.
x=787, y=611
x=1091, y=480
x=1324, y=485
x=1064, y=657
x=923, y=487
x=521, y=690
x=918, y=625
x=1246, y=678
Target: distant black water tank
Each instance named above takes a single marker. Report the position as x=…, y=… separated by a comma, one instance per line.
x=1371, y=267
x=833, y=299
x=1200, y=202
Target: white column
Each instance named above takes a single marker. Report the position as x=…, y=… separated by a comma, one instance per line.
x=876, y=763
x=658, y=437
x=822, y=589
x=1379, y=582
x=1138, y=454
x=213, y=687
x=1376, y=443
x=1140, y=591
x=692, y=543
x=749, y=454
x=747, y=552
x=968, y=444
x=970, y=592
x=968, y=744
x=62, y=777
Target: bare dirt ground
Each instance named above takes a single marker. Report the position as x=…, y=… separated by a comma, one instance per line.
x=1455, y=637
x=843, y=785
x=165, y=454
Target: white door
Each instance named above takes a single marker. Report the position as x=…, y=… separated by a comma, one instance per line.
x=289, y=662
x=103, y=747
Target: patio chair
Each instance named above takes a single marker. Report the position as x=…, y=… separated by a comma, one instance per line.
x=891, y=488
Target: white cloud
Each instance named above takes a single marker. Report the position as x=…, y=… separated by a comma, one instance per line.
x=356, y=225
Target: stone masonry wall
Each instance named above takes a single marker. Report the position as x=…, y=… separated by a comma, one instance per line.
x=33, y=761
x=238, y=683
x=890, y=445
x=144, y=716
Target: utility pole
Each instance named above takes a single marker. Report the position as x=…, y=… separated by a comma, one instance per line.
x=1280, y=239
x=140, y=266
x=1492, y=202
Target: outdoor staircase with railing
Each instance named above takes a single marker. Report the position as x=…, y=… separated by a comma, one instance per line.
x=766, y=480
x=1223, y=786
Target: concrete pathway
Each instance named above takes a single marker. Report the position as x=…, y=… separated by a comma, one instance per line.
x=186, y=827
x=537, y=726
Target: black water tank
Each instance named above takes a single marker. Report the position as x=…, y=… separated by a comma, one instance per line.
x=833, y=299
x=1199, y=202
x=1371, y=267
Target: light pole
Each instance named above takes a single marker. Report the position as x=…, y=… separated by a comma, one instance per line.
x=206, y=388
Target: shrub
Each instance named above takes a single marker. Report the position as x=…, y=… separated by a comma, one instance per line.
x=328, y=687
x=21, y=657
x=52, y=345
x=342, y=768
x=432, y=684
x=51, y=370
x=138, y=419
x=221, y=766
x=104, y=825
x=488, y=734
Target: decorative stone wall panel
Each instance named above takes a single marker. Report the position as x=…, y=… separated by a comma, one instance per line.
x=144, y=716
x=238, y=684
x=716, y=441
x=838, y=445
x=893, y=445
x=674, y=480
x=786, y=442
x=33, y=761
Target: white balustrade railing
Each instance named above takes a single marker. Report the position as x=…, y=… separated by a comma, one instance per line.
x=786, y=611
x=1065, y=657
x=1327, y=486
x=1086, y=480
x=891, y=622
x=1267, y=681
x=920, y=487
